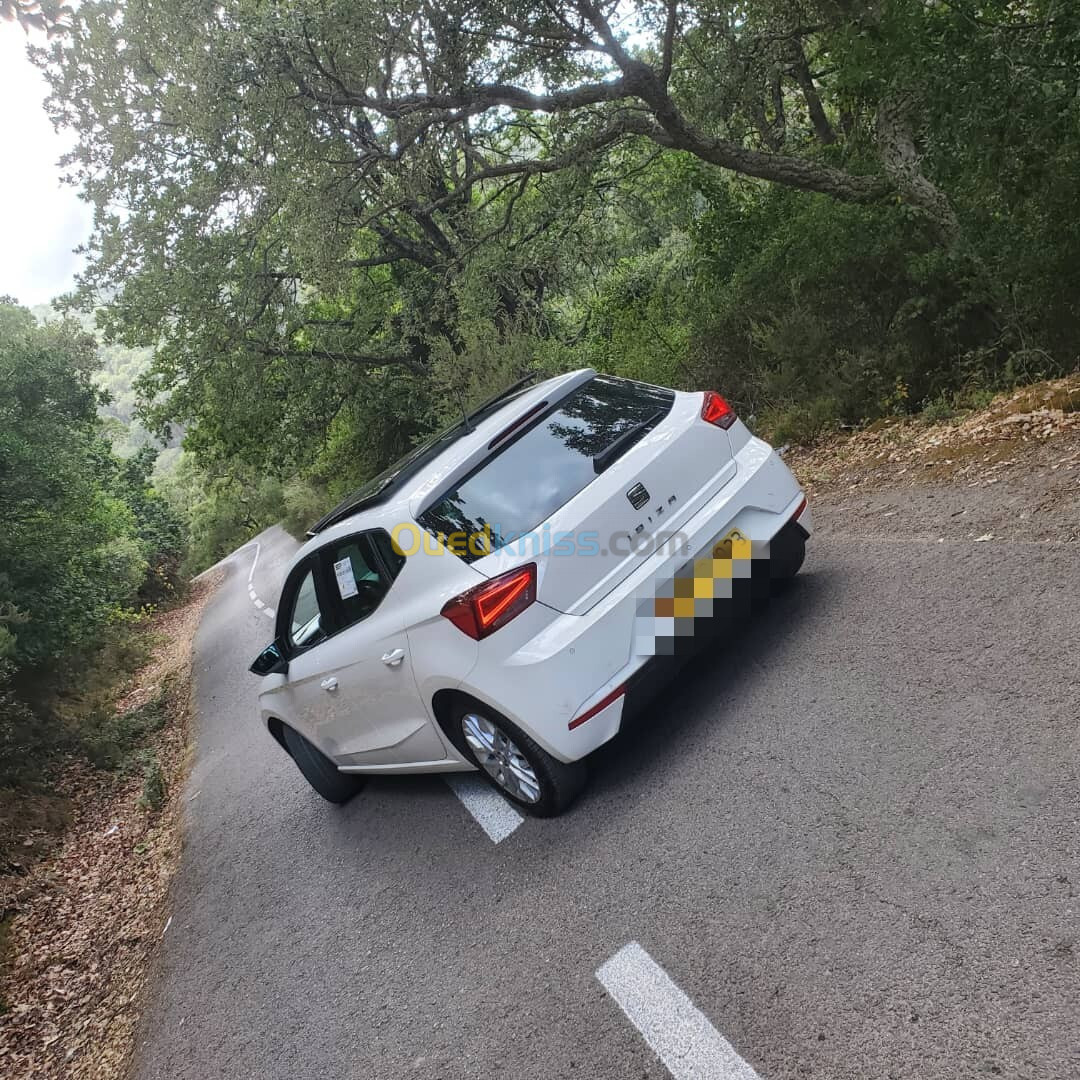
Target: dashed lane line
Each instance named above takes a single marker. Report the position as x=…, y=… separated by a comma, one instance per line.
x=492, y=812
x=253, y=596
x=677, y=1031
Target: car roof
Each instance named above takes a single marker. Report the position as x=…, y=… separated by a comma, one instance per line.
x=396, y=503
x=377, y=490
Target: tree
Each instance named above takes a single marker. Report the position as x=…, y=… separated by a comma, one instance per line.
x=78, y=528
x=310, y=208
x=324, y=196
x=53, y=18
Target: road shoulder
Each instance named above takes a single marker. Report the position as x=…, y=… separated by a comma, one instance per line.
x=83, y=923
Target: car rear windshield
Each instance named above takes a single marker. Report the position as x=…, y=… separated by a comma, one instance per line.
x=521, y=486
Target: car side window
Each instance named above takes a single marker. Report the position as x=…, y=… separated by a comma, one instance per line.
x=306, y=623
x=357, y=578
x=392, y=559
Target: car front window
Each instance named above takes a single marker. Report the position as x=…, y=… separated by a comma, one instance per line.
x=305, y=622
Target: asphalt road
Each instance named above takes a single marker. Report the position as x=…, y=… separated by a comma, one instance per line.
x=850, y=837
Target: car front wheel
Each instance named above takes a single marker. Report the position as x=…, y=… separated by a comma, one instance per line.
x=319, y=771
x=514, y=765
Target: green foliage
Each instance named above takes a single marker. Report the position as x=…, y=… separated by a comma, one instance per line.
x=304, y=503
x=66, y=538
x=221, y=512
x=332, y=243
x=83, y=536
x=832, y=311
x=155, y=788
x=23, y=741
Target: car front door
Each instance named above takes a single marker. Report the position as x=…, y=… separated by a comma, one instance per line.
x=350, y=683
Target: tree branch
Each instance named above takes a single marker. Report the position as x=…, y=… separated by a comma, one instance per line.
x=803, y=77
x=360, y=359
x=667, y=49
x=478, y=99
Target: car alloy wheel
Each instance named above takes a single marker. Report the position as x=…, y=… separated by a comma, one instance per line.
x=498, y=755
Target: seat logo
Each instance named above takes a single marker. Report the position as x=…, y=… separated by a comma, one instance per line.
x=638, y=496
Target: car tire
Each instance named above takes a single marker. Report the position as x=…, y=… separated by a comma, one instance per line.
x=787, y=551
x=319, y=771
x=558, y=782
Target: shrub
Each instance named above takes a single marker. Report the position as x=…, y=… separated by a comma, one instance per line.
x=154, y=787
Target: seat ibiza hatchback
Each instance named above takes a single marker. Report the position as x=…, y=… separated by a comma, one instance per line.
x=502, y=597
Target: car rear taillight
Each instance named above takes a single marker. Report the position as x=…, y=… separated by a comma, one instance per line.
x=715, y=410
x=485, y=608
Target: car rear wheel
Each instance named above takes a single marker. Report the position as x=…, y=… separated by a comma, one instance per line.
x=786, y=553
x=319, y=771
x=514, y=765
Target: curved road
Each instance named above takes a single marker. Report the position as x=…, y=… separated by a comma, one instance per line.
x=849, y=838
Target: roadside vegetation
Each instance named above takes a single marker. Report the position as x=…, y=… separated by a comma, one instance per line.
x=345, y=222
x=84, y=884
x=88, y=550
x=95, y=635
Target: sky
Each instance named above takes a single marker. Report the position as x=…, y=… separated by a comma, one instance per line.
x=41, y=220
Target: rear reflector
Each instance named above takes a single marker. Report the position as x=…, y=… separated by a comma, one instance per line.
x=798, y=513
x=715, y=410
x=600, y=706
x=482, y=610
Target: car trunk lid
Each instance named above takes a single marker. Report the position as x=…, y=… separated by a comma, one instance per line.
x=596, y=483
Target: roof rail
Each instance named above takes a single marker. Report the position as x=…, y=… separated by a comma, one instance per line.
x=372, y=493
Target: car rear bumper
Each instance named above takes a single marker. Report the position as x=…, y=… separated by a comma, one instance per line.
x=545, y=670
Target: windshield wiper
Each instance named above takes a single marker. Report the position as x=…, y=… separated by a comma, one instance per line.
x=614, y=450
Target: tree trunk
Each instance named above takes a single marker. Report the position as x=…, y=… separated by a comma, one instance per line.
x=903, y=165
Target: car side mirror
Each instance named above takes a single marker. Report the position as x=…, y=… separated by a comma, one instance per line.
x=271, y=661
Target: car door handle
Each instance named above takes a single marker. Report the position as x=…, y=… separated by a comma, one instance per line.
x=394, y=658
x=329, y=684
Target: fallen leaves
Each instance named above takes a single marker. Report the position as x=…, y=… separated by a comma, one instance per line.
x=85, y=919
x=979, y=448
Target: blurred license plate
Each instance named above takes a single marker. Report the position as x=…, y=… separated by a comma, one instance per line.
x=731, y=546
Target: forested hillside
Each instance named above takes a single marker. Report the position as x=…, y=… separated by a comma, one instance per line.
x=85, y=542
x=342, y=220
x=117, y=372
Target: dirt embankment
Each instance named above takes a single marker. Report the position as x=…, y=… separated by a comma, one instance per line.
x=1008, y=472
x=81, y=923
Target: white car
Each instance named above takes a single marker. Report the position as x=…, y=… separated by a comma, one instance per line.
x=505, y=595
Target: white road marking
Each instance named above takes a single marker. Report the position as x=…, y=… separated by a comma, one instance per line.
x=679, y=1033
x=253, y=596
x=492, y=812
x=255, y=561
